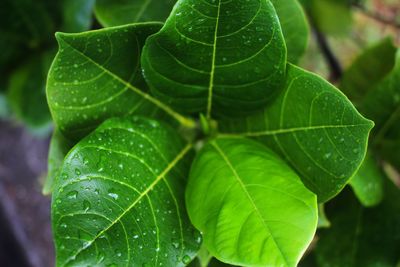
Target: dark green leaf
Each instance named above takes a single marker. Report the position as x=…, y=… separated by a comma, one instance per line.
x=294, y=26
x=368, y=69
x=77, y=15
x=252, y=209
x=96, y=75
x=315, y=128
x=27, y=91
x=367, y=183
x=59, y=147
x=217, y=57
x=382, y=105
x=361, y=237
x=119, y=198
x=119, y=12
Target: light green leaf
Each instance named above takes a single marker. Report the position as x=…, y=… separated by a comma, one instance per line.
x=325, y=14
x=323, y=221
x=315, y=128
x=252, y=209
x=217, y=57
x=120, y=12
x=119, y=198
x=96, y=75
x=359, y=236
x=59, y=147
x=368, y=69
x=294, y=26
x=367, y=183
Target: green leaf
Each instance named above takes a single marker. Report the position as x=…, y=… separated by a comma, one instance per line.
x=323, y=221
x=27, y=91
x=119, y=198
x=96, y=75
x=217, y=57
x=294, y=26
x=252, y=209
x=325, y=14
x=315, y=128
x=368, y=69
x=368, y=237
x=59, y=147
x=120, y=12
x=367, y=184
x=77, y=15
x=382, y=105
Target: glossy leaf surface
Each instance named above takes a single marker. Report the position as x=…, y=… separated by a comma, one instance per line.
x=217, y=57
x=367, y=183
x=96, y=75
x=120, y=12
x=368, y=237
x=294, y=26
x=315, y=128
x=252, y=209
x=119, y=198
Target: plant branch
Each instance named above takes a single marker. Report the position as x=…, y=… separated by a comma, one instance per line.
x=333, y=63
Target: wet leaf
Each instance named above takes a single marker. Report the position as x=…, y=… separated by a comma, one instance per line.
x=315, y=128
x=96, y=75
x=114, y=13
x=119, y=198
x=211, y=56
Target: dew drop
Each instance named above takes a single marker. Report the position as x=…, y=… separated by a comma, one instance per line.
x=113, y=194
x=186, y=259
x=72, y=194
x=86, y=205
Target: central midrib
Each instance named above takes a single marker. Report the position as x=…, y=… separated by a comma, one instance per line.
x=161, y=176
x=211, y=85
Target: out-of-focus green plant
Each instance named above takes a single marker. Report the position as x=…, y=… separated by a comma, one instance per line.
x=27, y=43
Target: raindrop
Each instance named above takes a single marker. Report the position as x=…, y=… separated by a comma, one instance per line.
x=175, y=243
x=72, y=194
x=113, y=195
x=186, y=259
x=86, y=205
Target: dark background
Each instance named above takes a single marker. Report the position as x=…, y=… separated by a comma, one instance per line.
x=25, y=228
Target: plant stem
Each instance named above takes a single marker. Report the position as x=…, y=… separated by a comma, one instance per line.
x=333, y=63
